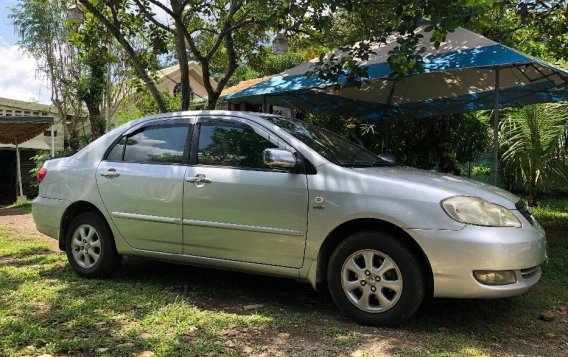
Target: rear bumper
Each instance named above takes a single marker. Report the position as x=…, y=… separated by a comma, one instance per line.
x=47, y=213
x=455, y=255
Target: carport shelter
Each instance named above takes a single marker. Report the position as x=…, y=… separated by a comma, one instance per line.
x=468, y=72
x=17, y=130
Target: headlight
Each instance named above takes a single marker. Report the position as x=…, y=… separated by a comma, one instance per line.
x=473, y=210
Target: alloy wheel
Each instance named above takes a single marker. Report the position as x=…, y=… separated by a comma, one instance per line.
x=371, y=280
x=86, y=246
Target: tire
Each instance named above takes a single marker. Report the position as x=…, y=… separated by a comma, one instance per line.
x=369, y=295
x=90, y=248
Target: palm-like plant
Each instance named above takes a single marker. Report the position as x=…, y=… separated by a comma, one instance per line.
x=534, y=145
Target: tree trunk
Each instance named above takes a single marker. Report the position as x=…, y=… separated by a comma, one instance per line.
x=181, y=53
x=95, y=120
x=212, y=99
x=93, y=94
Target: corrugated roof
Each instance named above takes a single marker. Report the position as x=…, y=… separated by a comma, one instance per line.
x=22, y=128
x=242, y=85
x=35, y=143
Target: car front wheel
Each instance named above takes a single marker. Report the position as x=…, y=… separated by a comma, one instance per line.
x=90, y=247
x=375, y=278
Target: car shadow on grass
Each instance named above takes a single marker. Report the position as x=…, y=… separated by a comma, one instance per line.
x=489, y=321
x=177, y=309
x=16, y=210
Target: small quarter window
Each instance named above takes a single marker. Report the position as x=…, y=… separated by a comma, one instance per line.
x=116, y=153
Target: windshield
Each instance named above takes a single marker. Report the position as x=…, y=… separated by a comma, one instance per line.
x=333, y=147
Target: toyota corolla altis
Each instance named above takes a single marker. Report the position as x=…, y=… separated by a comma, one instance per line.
x=274, y=195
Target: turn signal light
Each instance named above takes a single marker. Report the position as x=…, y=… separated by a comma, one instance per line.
x=41, y=175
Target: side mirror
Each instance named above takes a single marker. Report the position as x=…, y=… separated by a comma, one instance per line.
x=388, y=158
x=279, y=158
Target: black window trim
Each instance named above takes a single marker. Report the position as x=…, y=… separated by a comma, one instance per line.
x=195, y=146
x=155, y=123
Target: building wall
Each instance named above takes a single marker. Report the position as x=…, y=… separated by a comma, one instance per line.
x=11, y=107
x=169, y=78
x=8, y=184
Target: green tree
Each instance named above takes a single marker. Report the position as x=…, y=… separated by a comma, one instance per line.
x=220, y=33
x=534, y=145
x=91, y=40
x=43, y=33
x=75, y=59
x=539, y=28
x=215, y=33
x=472, y=139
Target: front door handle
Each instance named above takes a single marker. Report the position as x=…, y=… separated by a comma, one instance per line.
x=198, y=179
x=110, y=173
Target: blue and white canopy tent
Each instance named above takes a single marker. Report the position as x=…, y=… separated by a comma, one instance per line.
x=466, y=73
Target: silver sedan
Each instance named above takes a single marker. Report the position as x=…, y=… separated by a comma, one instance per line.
x=273, y=195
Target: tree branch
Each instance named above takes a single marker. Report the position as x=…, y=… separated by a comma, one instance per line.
x=114, y=29
x=150, y=17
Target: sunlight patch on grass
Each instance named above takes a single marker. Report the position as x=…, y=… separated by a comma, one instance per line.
x=552, y=212
x=443, y=345
x=11, y=246
x=26, y=206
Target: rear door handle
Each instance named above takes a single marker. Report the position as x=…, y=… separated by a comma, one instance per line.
x=110, y=173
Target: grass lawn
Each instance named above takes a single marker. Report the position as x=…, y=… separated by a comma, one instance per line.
x=167, y=309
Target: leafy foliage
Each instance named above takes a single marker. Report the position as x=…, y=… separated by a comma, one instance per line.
x=43, y=33
x=539, y=28
x=534, y=146
x=427, y=143
x=142, y=103
x=375, y=21
x=265, y=63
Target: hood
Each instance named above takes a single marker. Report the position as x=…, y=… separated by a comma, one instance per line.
x=449, y=184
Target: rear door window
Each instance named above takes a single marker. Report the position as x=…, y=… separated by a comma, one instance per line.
x=164, y=144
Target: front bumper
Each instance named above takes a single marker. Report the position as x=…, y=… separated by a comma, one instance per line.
x=47, y=213
x=455, y=255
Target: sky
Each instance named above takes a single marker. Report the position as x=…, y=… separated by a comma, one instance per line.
x=19, y=78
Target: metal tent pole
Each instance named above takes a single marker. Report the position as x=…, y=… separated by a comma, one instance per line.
x=496, y=129
x=53, y=139
x=19, y=170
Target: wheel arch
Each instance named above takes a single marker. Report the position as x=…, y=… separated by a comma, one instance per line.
x=344, y=230
x=75, y=209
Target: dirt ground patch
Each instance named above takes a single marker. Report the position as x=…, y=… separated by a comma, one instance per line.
x=19, y=220
x=304, y=322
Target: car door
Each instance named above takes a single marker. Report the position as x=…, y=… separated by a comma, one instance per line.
x=141, y=184
x=237, y=208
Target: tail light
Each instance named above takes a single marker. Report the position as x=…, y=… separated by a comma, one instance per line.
x=41, y=175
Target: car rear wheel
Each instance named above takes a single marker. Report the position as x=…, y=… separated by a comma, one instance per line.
x=90, y=247
x=375, y=278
